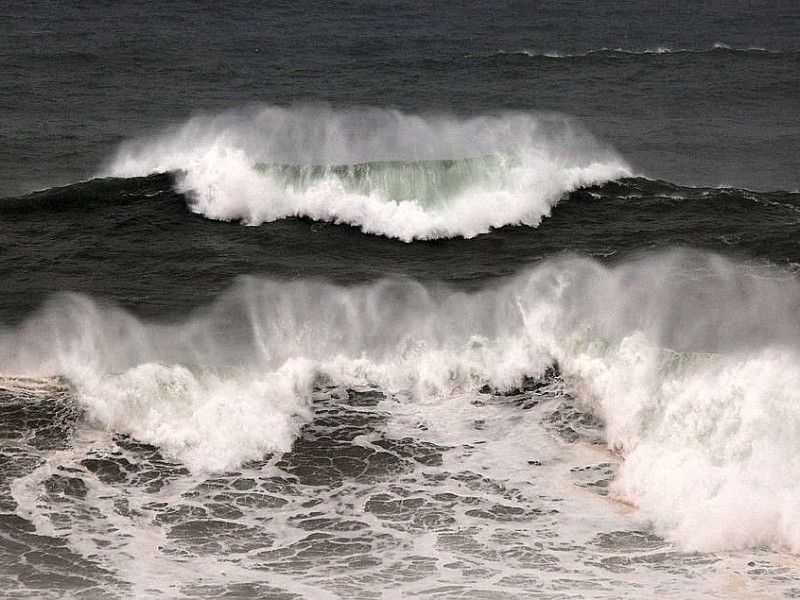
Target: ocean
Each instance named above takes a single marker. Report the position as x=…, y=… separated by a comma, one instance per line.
x=399, y=300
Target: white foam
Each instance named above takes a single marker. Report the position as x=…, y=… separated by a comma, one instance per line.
x=543, y=157
x=693, y=363
x=209, y=422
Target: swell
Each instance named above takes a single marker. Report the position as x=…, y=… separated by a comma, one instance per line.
x=118, y=192
x=632, y=213
x=133, y=242
x=123, y=191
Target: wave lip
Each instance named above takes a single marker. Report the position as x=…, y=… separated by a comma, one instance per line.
x=389, y=173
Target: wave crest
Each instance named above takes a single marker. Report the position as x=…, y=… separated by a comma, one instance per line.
x=621, y=52
x=390, y=173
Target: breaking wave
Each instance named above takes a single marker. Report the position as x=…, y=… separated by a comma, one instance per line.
x=389, y=173
x=691, y=360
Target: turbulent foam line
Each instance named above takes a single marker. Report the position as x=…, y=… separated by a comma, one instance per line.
x=43, y=385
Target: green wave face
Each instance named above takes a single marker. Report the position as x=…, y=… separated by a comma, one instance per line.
x=428, y=182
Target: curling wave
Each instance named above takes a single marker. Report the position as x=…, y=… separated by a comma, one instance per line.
x=389, y=173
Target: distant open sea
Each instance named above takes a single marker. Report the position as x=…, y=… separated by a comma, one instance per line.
x=376, y=300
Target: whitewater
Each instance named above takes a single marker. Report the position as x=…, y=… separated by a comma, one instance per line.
x=446, y=354
x=690, y=360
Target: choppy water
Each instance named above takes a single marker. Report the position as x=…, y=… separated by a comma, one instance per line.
x=381, y=301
